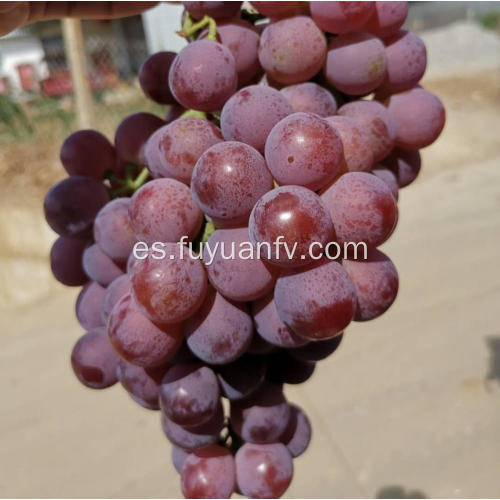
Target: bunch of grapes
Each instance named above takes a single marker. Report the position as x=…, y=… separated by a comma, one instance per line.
x=294, y=120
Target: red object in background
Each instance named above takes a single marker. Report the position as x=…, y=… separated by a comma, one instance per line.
x=27, y=76
x=58, y=83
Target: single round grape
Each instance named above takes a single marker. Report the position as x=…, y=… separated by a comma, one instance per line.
x=362, y=209
x=217, y=10
x=237, y=278
x=388, y=177
x=358, y=155
x=173, y=150
x=242, y=377
x=93, y=360
x=406, y=61
x=387, y=18
x=297, y=435
x=341, y=17
x=88, y=306
x=260, y=346
x=375, y=119
x=419, y=117
x=304, y=150
x=87, y=153
x=227, y=181
x=298, y=216
x=113, y=231
x=153, y=77
x=270, y=326
x=66, y=261
x=189, y=394
x=276, y=10
x=117, y=289
x=203, y=76
x=317, y=351
x=310, y=97
x=71, y=205
x=376, y=281
x=220, y=331
x=251, y=105
x=178, y=457
x=164, y=210
x=262, y=417
x=192, y=438
x=138, y=340
x=292, y=50
x=355, y=63
x=98, y=266
x=132, y=135
x=286, y=369
x=263, y=470
x=143, y=383
x=317, y=302
x=209, y=472
x=169, y=290
x=404, y=164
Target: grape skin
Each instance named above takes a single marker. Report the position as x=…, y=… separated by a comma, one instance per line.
x=358, y=155
x=169, y=290
x=93, y=361
x=317, y=302
x=310, y=97
x=173, y=150
x=66, y=261
x=98, y=266
x=117, y=289
x=250, y=105
x=263, y=470
x=178, y=457
x=386, y=175
x=260, y=346
x=356, y=63
x=362, y=209
x=113, y=231
x=88, y=306
x=285, y=369
x=297, y=435
x=227, y=181
x=317, y=351
x=292, y=50
x=387, y=18
x=237, y=279
x=209, y=472
x=275, y=9
x=189, y=394
x=341, y=17
x=203, y=76
x=220, y=331
x=304, y=150
x=404, y=164
x=164, y=210
x=139, y=341
x=217, y=10
x=297, y=214
x=376, y=281
x=153, y=77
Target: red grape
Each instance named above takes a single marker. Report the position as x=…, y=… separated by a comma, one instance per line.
x=310, y=97
x=388, y=177
x=387, y=18
x=99, y=267
x=316, y=351
x=298, y=433
x=404, y=164
x=66, y=261
x=153, y=77
x=88, y=306
x=217, y=10
x=341, y=17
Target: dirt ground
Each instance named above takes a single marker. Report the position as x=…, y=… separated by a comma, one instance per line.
x=408, y=407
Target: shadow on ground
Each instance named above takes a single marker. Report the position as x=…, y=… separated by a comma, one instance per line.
x=494, y=369
x=394, y=491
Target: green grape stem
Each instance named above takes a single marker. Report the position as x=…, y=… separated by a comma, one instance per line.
x=190, y=28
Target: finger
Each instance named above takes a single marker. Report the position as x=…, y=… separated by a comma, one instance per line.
x=13, y=17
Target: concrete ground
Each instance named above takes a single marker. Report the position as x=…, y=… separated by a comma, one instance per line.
x=409, y=406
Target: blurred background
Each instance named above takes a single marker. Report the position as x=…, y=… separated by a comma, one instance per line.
x=410, y=404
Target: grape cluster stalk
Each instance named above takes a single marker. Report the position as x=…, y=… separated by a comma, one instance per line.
x=299, y=120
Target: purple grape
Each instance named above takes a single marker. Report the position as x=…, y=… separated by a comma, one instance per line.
x=209, y=472
x=387, y=18
x=66, y=261
x=93, y=360
x=117, y=289
x=178, y=457
x=388, y=177
x=259, y=346
x=220, y=331
x=153, y=77
x=263, y=470
x=317, y=351
x=169, y=290
x=248, y=106
x=292, y=50
x=173, y=150
x=87, y=153
x=98, y=266
x=404, y=164
x=189, y=394
x=132, y=135
x=174, y=111
x=227, y=181
x=276, y=10
x=217, y=10
x=203, y=76
x=88, y=306
x=316, y=302
x=355, y=63
x=72, y=204
x=341, y=17
x=310, y=97
x=164, y=210
x=286, y=369
x=240, y=278
x=304, y=150
x=297, y=435
x=113, y=231
x=138, y=340
x=262, y=417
